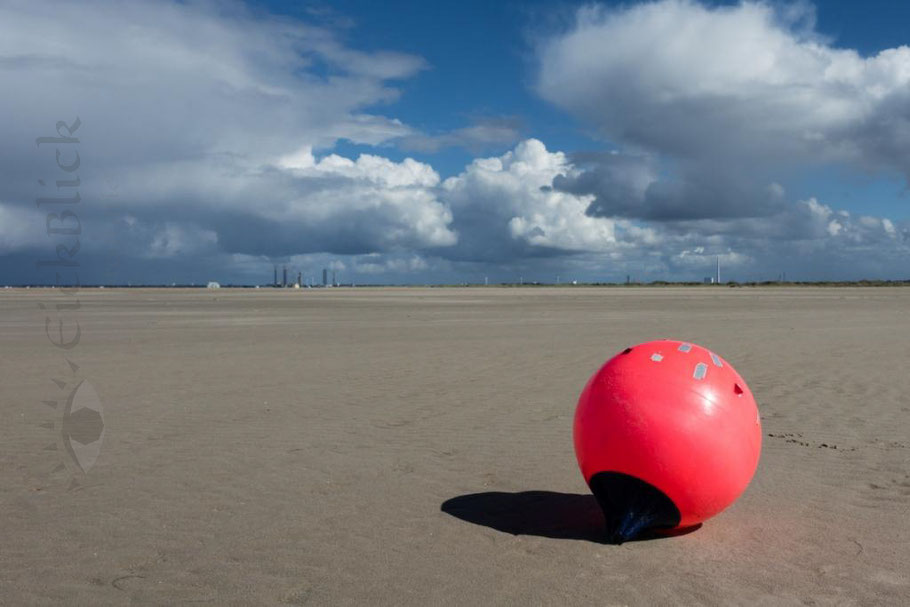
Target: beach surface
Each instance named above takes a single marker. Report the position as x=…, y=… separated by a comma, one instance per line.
x=406, y=446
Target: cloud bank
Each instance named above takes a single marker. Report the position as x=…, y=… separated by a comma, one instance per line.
x=709, y=108
x=730, y=84
x=209, y=136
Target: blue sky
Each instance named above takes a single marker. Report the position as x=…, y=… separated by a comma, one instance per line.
x=480, y=65
x=449, y=142
x=482, y=61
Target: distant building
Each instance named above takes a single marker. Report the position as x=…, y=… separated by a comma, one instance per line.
x=334, y=281
x=325, y=277
x=213, y=285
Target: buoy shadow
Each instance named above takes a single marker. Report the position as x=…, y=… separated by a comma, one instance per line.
x=565, y=516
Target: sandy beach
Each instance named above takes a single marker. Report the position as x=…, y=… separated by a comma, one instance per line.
x=414, y=447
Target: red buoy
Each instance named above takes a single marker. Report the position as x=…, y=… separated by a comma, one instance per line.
x=667, y=435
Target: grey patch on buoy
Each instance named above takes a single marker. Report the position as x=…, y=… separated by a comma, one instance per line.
x=684, y=347
x=701, y=369
x=656, y=357
x=716, y=360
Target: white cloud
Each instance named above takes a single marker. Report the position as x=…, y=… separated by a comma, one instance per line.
x=505, y=211
x=375, y=169
x=207, y=135
x=692, y=81
x=204, y=117
x=382, y=264
x=155, y=80
x=505, y=206
x=713, y=109
x=392, y=205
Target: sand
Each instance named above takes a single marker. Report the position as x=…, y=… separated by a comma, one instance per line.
x=302, y=447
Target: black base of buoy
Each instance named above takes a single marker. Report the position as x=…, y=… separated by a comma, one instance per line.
x=632, y=508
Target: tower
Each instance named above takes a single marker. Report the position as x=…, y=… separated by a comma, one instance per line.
x=334, y=282
x=717, y=274
x=325, y=277
x=275, y=281
x=284, y=278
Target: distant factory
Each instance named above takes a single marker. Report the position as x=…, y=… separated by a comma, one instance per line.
x=301, y=283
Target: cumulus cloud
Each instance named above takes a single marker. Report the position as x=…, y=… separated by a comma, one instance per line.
x=198, y=126
x=631, y=185
x=697, y=82
x=383, y=264
x=207, y=135
x=806, y=238
x=516, y=207
x=186, y=80
x=720, y=100
x=711, y=109
x=504, y=208
x=363, y=205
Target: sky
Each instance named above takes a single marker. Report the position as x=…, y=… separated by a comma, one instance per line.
x=449, y=142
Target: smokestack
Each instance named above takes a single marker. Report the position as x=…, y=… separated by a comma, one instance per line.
x=284, y=281
x=300, y=279
x=717, y=275
x=275, y=281
x=334, y=282
x=325, y=277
